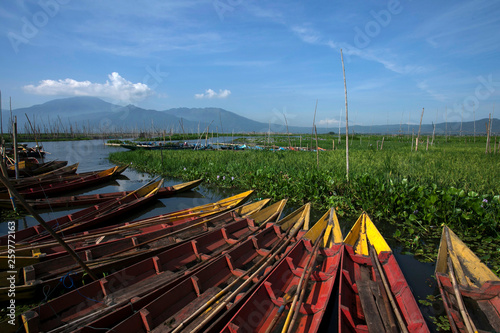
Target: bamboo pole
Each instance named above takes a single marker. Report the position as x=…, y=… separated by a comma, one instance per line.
x=346, y=120
x=301, y=289
x=387, y=288
x=382, y=144
x=32, y=212
x=419, y=129
x=14, y=146
x=488, y=124
x=287, y=133
x=446, y=125
x=474, y=112
x=465, y=316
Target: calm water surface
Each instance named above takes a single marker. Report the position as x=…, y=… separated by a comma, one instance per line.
x=93, y=155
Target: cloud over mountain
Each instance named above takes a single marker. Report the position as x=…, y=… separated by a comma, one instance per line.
x=209, y=93
x=116, y=87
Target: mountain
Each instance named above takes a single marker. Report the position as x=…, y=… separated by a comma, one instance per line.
x=95, y=115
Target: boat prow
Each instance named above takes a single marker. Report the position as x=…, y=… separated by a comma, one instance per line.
x=470, y=290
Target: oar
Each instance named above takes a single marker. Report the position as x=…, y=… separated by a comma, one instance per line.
x=286, y=299
x=302, y=286
x=258, y=267
x=387, y=305
x=387, y=288
x=465, y=316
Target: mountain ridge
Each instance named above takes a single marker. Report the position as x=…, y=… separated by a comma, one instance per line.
x=94, y=113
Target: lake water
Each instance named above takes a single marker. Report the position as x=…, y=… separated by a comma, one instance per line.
x=93, y=155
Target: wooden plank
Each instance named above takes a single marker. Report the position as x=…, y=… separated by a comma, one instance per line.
x=386, y=316
x=370, y=310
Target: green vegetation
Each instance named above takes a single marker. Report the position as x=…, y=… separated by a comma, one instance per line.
x=453, y=182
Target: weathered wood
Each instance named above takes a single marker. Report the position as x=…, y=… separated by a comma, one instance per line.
x=370, y=309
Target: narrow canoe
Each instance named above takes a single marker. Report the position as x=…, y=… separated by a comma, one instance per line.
x=26, y=181
x=115, y=255
x=28, y=168
x=172, y=304
x=40, y=191
x=269, y=306
x=90, y=216
x=173, y=221
x=94, y=199
x=140, y=283
x=463, y=279
x=364, y=300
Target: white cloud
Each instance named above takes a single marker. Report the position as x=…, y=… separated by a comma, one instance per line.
x=116, y=87
x=328, y=122
x=209, y=93
x=306, y=34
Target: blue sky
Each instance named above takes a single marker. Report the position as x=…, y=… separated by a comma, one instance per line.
x=260, y=59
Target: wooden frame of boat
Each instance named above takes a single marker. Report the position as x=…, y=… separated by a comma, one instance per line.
x=282, y=294
x=143, y=280
x=374, y=295
x=112, y=257
x=469, y=289
x=90, y=216
x=94, y=199
x=50, y=189
x=33, y=253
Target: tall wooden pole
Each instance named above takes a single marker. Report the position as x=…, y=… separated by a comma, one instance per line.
x=32, y=212
x=419, y=128
x=14, y=146
x=346, y=121
x=488, y=126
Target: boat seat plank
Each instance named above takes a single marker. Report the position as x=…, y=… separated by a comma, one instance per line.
x=370, y=310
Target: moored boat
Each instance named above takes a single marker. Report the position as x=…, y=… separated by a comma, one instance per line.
x=299, y=286
x=88, y=217
x=139, y=283
x=374, y=295
x=94, y=199
x=52, y=189
x=469, y=289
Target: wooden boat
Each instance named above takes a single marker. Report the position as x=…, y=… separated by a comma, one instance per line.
x=88, y=217
x=40, y=191
x=28, y=254
x=140, y=282
x=94, y=199
x=270, y=306
x=374, y=295
x=117, y=254
x=65, y=170
x=172, y=302
x=470, y=290
x=29, y=167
